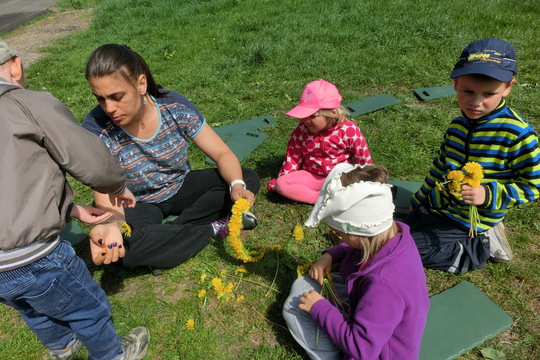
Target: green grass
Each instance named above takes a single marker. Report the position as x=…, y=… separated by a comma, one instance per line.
x=237, y=60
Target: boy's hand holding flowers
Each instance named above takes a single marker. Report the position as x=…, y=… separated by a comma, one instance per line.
x=465, y=185
x=473, y=195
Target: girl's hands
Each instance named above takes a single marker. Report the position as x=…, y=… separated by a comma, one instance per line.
x=308, y=299
x=322, y=266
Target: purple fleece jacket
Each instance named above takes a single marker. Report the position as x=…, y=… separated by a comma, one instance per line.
x=388, y=302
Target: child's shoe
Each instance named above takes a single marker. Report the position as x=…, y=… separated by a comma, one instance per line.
x=499, y=248
x=221, y=227
x=136, y=343
x=249, y=221
x=67, y=353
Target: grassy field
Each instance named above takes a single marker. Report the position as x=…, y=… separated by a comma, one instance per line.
x=240, y=59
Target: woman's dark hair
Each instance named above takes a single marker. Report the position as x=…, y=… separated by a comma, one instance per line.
x=115, y=58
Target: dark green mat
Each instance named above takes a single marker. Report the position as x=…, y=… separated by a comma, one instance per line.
x=370, y=104
x=460, y=319
x=73, y=233
x=430, y=93
x=243, y=137
x=402, y=191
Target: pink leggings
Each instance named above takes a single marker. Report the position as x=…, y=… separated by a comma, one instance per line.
x=301, y=185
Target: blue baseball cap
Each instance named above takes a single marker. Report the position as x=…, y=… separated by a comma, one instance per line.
x=491, y=57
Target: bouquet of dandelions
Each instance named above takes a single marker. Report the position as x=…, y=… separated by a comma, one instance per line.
x=470, y=174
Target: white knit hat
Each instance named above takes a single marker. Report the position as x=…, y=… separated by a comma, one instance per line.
x=364, y=208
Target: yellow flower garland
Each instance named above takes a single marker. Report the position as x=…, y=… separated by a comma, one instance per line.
x=235, y=227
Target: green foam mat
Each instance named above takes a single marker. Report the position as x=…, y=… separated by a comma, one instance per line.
x=370, y=104
x=402, y=191
x=460, y=319
x=73, y=233
x=227, y=131
x=243, y=137
x=430, y=93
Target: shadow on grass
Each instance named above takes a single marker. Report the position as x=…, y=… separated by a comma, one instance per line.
x=113, y=276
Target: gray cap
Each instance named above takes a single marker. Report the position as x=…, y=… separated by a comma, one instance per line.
x=6, y=52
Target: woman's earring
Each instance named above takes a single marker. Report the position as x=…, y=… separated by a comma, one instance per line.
x=144, y=100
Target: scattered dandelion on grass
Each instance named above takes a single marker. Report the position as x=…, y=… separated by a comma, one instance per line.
x=298, y=233
x=190, y=324
x=241, y=271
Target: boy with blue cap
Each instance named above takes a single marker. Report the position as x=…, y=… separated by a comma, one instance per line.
x=491, y=134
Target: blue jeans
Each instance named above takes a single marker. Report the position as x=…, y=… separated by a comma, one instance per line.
x=59, y=301
x=305, y=331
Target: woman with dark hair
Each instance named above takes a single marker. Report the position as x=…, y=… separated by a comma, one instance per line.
x=147, y=129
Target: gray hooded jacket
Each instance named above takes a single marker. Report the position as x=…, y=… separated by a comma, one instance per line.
x=40, y=142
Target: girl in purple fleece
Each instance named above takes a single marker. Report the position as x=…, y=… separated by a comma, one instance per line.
x=380, y=277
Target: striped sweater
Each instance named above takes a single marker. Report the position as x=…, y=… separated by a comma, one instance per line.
x=507, y=148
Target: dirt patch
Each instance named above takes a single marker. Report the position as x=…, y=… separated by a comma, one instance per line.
x=28, y=40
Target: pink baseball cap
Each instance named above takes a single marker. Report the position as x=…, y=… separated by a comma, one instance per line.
x=317, y=95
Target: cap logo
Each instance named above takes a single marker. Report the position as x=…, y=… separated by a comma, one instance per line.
x=306, y=96
x=484, y=57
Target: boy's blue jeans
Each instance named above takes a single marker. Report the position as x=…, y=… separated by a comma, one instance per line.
x=59, y=300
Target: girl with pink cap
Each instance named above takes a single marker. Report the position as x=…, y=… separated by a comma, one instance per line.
x=323, y=138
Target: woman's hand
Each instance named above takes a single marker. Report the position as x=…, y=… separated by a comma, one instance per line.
x=125, y=199
x=239, y=192
x=308, y=299
x=322, y=266
x=89, y=215
x=473, y=195
x=106, y=243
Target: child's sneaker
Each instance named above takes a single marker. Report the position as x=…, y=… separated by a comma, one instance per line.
x=67, y=353
x=249, y=221
x=136, y=343
x=221, y=227
x=499, y=248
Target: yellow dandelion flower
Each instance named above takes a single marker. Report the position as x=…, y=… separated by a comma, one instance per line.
x=125, y=229
x=217, y=284
x=471, y=182
x=473, y=168
x=201, y=294
x=240, y=271
x=240, y=298
x=455, y=175
x=298, y=233
x=302, y=269
x=190, y=324
x=228, y=288
x=203, y=277
x=455, y=186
